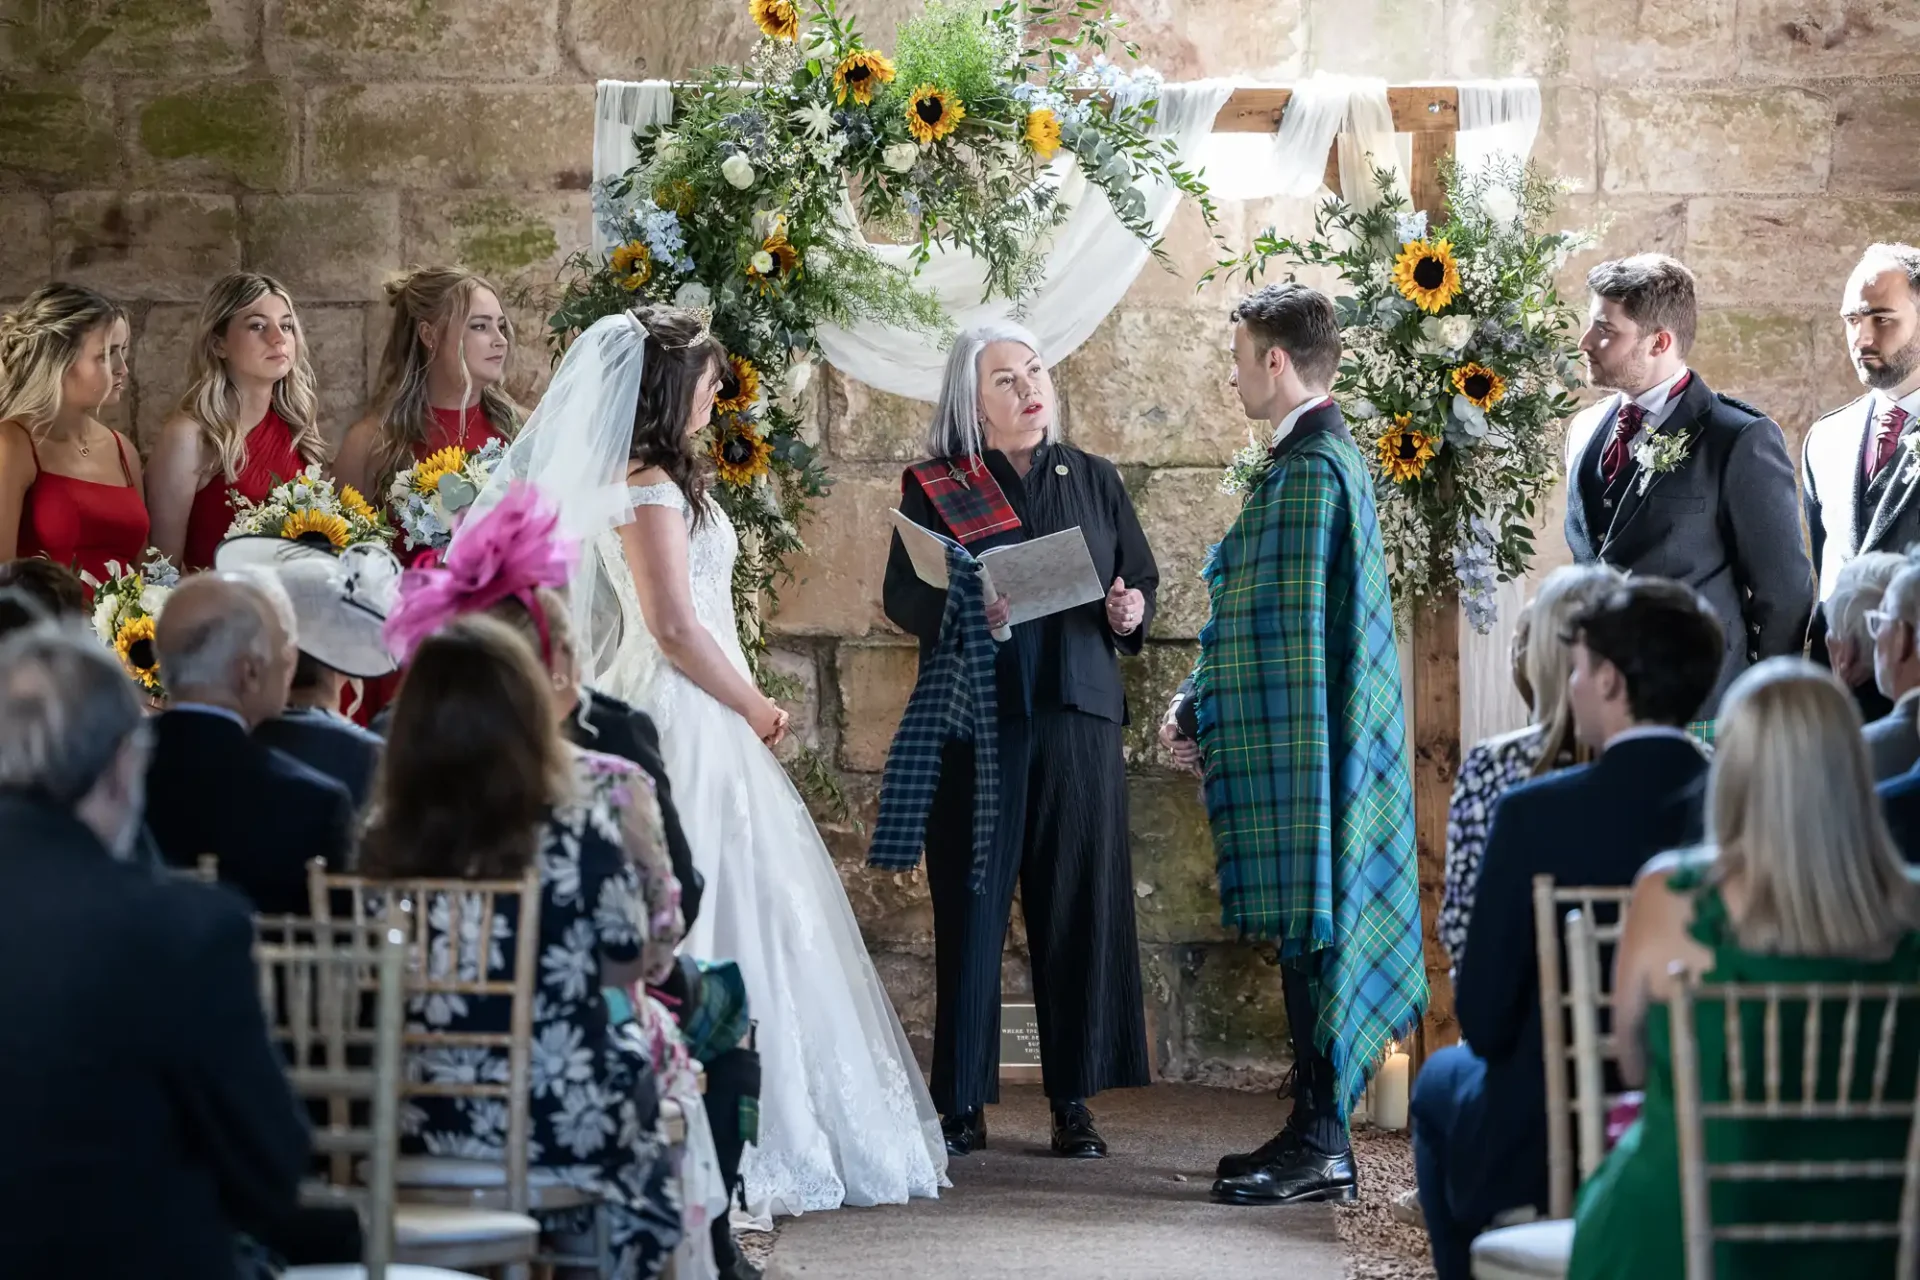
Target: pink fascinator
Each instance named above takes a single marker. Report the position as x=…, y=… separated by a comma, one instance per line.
x=507, y=552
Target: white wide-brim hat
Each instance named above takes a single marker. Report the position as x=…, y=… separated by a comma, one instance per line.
x=340, y=601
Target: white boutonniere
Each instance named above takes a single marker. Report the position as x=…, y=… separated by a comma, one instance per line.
x=1657, y=453
x=1910, y=445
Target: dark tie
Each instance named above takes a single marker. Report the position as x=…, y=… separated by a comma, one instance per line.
x=1888, y=441
x=1626, y=425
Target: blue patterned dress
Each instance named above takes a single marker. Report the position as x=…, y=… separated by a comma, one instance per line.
x=607, y=893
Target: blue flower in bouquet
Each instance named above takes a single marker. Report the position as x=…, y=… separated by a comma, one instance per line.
x=1410, y=226
x=1474, y=566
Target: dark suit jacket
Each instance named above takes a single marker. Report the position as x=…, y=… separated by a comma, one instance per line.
x=1595, y=824
x=1900, y=801
x=135, y=1070
x=328, y=742
x=1726, y=522
x=212, y=789
x=1067, y=659
x=620, y=730
x=1845, y=515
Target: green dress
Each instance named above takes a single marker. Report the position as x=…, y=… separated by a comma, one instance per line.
x=1627, y=1218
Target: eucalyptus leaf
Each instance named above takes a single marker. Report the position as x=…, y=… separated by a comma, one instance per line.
x=456, y=493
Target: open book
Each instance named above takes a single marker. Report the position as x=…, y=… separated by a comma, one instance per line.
x=1043, y=576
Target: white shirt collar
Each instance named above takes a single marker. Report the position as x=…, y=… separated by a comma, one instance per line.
x=207, y=709
x=1643, y=731
x=1299, y=411
x=1910, y=402
x=1657, y=401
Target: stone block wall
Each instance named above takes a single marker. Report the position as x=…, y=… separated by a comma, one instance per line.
x=148, y=145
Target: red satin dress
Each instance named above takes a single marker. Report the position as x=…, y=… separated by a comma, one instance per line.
x=83, y=523
x=470, y=429
x=268, y=458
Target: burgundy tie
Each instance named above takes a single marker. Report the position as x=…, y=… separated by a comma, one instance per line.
x=1626, y=425
x=1888, y=442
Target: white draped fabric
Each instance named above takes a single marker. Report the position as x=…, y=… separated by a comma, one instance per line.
x=1092, y=259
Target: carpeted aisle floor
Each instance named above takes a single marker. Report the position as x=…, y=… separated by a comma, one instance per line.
x=1142, y=1214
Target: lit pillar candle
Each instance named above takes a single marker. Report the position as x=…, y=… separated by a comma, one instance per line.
x=1390, y=1092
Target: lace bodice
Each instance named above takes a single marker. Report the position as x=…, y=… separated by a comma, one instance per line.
x=635, y=671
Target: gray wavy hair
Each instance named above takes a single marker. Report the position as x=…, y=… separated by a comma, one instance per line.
x=955, y=431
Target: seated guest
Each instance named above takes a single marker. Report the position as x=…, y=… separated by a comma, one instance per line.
x=18, y=611
x=476, y=707
x=1645, y=657
x=1798, y=882
x=1493, y=767
x=226, y=646
x=340, y=604
x=1893, y=741
x=57, y=589
x=1857, y=592
x=135, y=1070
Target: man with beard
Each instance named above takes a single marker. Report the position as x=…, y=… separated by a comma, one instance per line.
x=1862, y=467
x=1669, y=479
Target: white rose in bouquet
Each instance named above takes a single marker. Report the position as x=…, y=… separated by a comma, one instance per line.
x=738, y=171
x=900, y=157
x=693, y=295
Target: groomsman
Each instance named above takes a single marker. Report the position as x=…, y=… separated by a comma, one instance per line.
x=1667, y=478
x=1859, y=459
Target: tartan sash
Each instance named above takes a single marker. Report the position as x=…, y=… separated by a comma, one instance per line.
x=967, y=497
x=954, y=700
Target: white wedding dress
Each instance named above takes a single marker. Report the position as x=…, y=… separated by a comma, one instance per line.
x=845, y=1117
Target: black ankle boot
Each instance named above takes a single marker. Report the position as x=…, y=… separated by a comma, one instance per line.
x=1073, y=1133
x=966, y=1132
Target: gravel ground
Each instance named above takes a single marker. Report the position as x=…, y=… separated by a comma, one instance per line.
x=1379, y=1247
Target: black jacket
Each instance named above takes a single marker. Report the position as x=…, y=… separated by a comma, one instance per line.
x=135, y=1070
x=328, y=742
x=1900, y=801
x=212, y=789
x=1596, y=824
x=1726, y=522
x=1066, y=659
x=617, y=729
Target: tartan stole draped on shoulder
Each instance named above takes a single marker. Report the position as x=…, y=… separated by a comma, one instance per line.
x=954, y=700
x=1300, y=723
x=967, y=497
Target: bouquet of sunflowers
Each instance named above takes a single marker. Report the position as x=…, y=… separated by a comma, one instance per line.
x=306, y=509
x=1459, y=366
x=125, y=607
x=428, y=497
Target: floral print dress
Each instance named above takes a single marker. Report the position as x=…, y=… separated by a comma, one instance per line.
x=1489, y=770
x=607, y=892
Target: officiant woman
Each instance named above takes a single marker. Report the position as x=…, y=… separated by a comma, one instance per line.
x=999, y=474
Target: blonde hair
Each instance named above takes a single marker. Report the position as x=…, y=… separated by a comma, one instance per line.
x=1792, y=812
x=1549, y=660
x=211, y=400
x=39, y=341
x=442, y=298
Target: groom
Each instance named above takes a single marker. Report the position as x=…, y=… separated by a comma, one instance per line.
x=1293, y=712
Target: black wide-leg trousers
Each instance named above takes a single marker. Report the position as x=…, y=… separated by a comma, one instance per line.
x=1063, y=834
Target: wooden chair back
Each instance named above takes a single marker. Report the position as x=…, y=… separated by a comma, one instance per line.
x=205, y=868
x=1585, y=1104
x=450, y=928
x=1858, y=1092
x=341, y=1047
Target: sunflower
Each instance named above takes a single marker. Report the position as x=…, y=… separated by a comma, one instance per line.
x=317, y=527
x=1043, y=132
x=777, y=262
x=354, y=505
x=676, y=196
x=1480, y=385
x=739, y=388
x=632, y=265
x=741, y=455
x=859, y=73
x=447, y=462
x=134, y=643
x=777, y=19
x=1404, y=452
x=1426, y=274
x=932, y=114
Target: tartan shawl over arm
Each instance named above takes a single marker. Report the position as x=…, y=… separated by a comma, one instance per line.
x=1300, y=722
x=955, y=699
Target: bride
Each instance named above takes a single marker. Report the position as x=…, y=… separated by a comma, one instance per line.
x=845, y=1117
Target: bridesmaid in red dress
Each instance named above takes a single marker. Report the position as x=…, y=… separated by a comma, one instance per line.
x=439, y=382
x=70, y=487
x=248, y=422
